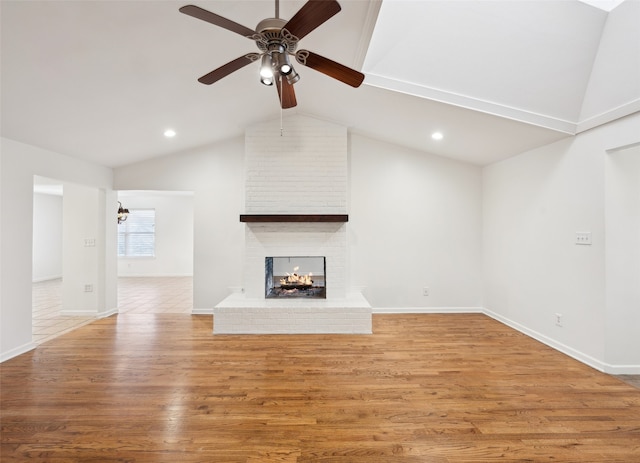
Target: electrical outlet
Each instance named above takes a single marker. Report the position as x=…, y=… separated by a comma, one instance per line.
x=425, y=291
x=583, y=238
x=88, y=288
x=89, y=242
x=558, y=319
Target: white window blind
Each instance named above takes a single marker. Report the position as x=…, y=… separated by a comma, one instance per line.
x=137, y=235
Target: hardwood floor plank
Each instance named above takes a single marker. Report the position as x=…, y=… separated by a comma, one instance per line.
x=423, y=388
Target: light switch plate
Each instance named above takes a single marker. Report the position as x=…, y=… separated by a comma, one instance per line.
x=583, y=238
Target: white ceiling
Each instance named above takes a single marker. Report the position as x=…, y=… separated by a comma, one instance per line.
x=102, y=80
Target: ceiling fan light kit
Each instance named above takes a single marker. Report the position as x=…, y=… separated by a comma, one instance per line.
x=266, y=69
x=277, y=39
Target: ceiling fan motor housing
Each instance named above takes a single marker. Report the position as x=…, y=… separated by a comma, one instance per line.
x=270, y=34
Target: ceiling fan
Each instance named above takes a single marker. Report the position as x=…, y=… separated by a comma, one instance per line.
x=277, y=39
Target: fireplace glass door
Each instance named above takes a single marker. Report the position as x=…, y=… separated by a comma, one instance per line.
x=295, y=276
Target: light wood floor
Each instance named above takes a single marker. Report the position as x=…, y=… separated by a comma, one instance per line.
x=423, y=388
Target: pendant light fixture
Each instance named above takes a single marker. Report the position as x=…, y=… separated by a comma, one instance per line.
x=123, y=213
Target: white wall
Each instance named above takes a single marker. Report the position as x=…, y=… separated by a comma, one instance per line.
x=81, y=265
x=47, y=237
x=623, y=256
x=533, y=205
x=214, y=174
x=20, y=163
x=415, y=221
x=173, y=230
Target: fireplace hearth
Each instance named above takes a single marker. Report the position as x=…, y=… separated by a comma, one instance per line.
x=295, y=277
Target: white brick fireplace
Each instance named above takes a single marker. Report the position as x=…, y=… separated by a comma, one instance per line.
x=303, y=171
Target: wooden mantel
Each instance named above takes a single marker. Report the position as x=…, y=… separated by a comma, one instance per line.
x=265, y=218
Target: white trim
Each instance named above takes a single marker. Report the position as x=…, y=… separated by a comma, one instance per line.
x=47, y=278
x=575, y=354
x=135, y=193
x=108, y=313
x=464, y=101
x=208, y=311
x=17, y=351
x=622, y=369
x=78, y=313
x=370, y=21
x=501, y=110
x=152, y=275
x=396, y=310
x=609, y=115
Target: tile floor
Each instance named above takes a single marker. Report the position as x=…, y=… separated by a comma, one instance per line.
x=47, y=321
x=138, y=295
x=135, y=295
x=155, y=295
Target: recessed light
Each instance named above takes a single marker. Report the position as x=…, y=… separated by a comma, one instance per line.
x=437, y=135
x=169, y=133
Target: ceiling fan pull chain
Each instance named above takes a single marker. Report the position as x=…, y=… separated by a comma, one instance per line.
x=281, y=92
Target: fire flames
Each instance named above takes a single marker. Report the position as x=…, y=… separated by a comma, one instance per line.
x=293, y=279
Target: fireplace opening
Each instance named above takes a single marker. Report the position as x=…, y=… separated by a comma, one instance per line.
x=295, y=276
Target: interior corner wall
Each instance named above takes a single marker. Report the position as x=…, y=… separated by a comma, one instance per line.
x=20, y=162
x=47, y=237
x=415, y=222
x=534, y=204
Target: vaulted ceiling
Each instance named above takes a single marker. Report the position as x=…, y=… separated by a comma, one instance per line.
x=102, y=80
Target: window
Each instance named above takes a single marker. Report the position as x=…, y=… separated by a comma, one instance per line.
x=136, y=235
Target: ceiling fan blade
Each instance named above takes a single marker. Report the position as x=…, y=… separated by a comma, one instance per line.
x=329, y=67
x=286, y=93
x=310, y=16
x=218, y=20
x=228, y=68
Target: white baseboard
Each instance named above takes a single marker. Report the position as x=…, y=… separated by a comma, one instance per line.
x=571, y=352
x=17, y=351
x=79, y=313
x=154, y=275
x=47, y=278
x=108, y=313
x=580, y=356
x=622, y=369
x=560, y=347
x=392, y=310
x=89, y=313
x=195, y=311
